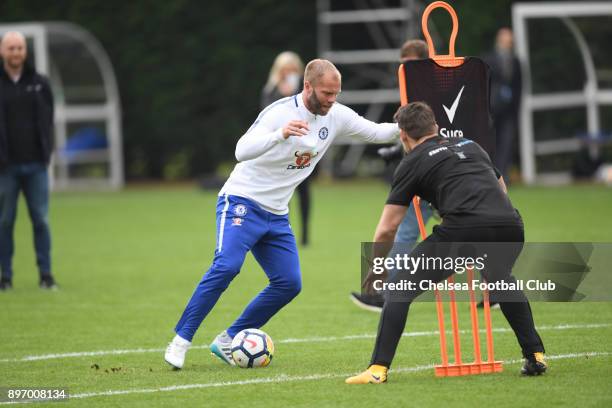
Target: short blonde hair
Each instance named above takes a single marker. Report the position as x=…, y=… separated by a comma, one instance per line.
x=317, y=68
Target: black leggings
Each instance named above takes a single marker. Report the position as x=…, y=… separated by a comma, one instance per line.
x=304, y=194
x=517, y=313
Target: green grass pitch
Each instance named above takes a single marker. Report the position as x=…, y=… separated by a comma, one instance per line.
x=127, y=263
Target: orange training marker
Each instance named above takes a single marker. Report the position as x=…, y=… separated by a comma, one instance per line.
x=457, y=368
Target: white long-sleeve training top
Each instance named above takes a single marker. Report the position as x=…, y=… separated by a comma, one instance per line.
x=271, y=167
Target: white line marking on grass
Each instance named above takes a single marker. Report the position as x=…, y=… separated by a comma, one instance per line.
x=288, y=378
x=316, y=339
x=82, y=354
x=436, y=332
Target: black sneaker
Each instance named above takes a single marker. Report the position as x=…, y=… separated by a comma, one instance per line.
x=373, y=303
x=534, y=365
x=6, y=284
x=48, y=283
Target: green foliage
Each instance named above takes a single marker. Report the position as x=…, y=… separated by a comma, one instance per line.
x=189, y=72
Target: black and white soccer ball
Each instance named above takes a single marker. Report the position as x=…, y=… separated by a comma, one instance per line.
x=252, y=348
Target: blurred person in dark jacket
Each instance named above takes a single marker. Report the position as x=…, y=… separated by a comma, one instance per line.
x=26, y=143
x=285, y=79
x=505, y=98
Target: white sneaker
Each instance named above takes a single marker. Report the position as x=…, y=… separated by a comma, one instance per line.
x=175, y=353
x=222, y=348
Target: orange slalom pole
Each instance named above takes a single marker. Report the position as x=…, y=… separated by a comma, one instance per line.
x=474, y=316
x=487, y=316
x=416, y=201
x=455, y=323
x=440, y=310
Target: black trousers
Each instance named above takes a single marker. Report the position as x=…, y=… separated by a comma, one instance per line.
x=517, y=311
x=505, y=140
x=303, y=190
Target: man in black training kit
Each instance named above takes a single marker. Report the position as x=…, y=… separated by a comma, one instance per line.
x=456, y=176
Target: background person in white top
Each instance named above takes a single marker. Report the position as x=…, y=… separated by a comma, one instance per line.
x=280, y=150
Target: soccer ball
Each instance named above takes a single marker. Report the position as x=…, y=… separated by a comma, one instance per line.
x=252, y=348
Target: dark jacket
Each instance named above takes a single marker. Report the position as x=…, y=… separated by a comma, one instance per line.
x=43, y=106
x=505, y=91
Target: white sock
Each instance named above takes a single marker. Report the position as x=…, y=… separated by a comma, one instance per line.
x=179, y=340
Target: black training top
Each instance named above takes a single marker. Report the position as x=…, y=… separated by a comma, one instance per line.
x=456, y=176
x=20, y=113
x=26, y=118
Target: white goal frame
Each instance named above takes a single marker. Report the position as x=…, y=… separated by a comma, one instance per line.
x=590, y=97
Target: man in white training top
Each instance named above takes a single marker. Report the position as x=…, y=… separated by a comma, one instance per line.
x=279, y=151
